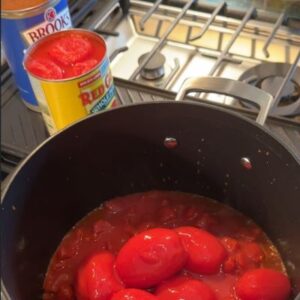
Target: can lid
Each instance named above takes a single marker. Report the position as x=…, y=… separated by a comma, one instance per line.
x=16, y=9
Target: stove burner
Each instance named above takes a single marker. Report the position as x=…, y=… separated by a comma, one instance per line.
x=154, y=69
x=269, y=77
x=271, y=85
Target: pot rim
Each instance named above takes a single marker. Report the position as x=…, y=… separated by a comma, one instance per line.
x=129, y=106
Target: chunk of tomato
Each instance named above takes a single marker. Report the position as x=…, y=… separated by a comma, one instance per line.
x=230, y=244
x=205, y=252
x=70, y=49
x=97, y=279
x=83, y=67
x=253, y=252
x=150, y=257
x=44, y=68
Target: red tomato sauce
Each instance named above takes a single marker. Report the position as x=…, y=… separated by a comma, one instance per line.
x=65, y=55
x=108, y=228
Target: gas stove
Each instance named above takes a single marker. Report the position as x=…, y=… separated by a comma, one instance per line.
x=155, y=46
x=165, y=45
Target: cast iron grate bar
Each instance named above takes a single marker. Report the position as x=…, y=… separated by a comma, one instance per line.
x=278, y=23
x=117, y=52
x=83, y=11
x=10, y=91
x=224, y=54
x=5, y=76
x=149, y=13
x=162, y=41
x=173, y=72
x=158, y=28
x=105, y=9
x=107, y=32
x=218, y=9
x=132, y=97
x=119, y=97
x=9, y=85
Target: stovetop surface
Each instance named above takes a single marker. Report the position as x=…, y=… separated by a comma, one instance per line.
x=22, y=129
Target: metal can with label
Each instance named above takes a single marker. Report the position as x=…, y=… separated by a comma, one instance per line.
x=68, y=98
x=22, y=24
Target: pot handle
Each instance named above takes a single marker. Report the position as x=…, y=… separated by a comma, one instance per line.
x=229, y=87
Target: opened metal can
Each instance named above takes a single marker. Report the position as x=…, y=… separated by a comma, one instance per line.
x=22, y=24
x=70, y=75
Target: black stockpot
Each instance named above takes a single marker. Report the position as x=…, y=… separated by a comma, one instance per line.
x=125, y=151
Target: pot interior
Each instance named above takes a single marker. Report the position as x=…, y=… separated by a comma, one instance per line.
x=122, y=151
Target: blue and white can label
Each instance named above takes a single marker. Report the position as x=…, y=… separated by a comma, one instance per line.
x=22, y=28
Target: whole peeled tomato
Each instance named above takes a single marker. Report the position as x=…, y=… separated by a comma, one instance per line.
x=97, y=279
x=83, y=67
x=205, y=251
x=242, y=255
x=183, y=288
x=253, y=252
x=150, y=257
x=70, y=49
x=44, y=68
x=133, y=294
x=263, y=284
